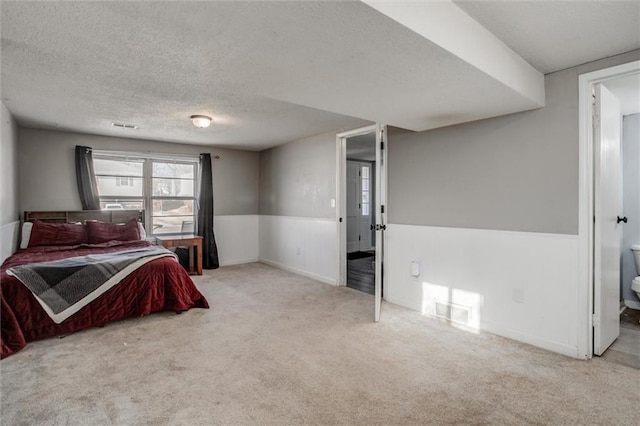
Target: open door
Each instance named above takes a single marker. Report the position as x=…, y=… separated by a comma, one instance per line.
x=381, y=220
x=607, y=221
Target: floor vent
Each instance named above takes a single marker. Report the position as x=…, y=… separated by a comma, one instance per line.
x=452, y=312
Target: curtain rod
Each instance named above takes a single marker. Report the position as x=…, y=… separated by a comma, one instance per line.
x=147, y=154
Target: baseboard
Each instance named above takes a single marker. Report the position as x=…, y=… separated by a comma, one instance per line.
x=632, y=304
x=239, y=261
x=528, y=339
x=485, y=327
x=299, y=271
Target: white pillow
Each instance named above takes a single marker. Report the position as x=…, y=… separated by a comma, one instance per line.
x=143, y=233
x=26, y=234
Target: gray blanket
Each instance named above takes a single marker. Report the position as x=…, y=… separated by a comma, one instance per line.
x=65, y=286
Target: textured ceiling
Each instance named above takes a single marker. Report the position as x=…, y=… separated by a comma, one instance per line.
x=81, y=65
x=554, y=35
x=269, y=72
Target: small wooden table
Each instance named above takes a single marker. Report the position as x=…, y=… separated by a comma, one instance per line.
x=193, y=242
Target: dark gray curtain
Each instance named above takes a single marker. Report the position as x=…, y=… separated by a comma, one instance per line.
x=205, y=215
x=86, y=178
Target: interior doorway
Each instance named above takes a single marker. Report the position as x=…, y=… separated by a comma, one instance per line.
x=360, y=220
x=367, y=178
x=610, y=201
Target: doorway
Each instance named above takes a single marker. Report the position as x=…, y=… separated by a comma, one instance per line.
x=360, y=183
x=609, y=210
x=364, y=178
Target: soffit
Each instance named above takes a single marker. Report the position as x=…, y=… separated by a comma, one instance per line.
x=554, y=35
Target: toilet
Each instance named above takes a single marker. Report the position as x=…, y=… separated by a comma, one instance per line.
x=635, y=284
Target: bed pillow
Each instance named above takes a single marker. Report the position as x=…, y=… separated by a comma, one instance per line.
x=141, y=230
x=101, y=232
x=26, y=234
x=57, y=234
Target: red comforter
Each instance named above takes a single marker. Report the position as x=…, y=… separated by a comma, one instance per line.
x=161, y=284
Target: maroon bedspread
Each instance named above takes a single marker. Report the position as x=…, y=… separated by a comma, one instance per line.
x=161, y=284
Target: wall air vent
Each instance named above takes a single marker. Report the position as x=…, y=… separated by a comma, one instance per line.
x=124, y=126
x=452, y=312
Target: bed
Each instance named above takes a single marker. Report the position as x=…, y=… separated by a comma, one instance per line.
x=159, y=284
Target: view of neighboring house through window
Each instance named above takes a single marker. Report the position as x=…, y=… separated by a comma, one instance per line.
x=165, y=189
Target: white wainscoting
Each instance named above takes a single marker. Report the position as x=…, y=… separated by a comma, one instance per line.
x=306, y=246
x=8, y=239
x=520, y=285
x=237, y=238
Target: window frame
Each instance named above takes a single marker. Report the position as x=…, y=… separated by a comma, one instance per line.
x=363, y=189
x=147, y=196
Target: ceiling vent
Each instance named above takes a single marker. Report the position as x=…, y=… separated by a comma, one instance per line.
x=124, y=126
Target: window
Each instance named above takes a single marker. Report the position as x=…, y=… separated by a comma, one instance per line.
x=166, y=189
x=365, y=184
x=173, y=197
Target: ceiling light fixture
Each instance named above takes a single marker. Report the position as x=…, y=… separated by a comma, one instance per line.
x=201, y=121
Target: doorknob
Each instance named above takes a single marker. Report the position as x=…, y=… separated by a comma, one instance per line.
x=622, y=219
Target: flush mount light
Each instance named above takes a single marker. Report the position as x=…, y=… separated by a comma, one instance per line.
x=201, y=121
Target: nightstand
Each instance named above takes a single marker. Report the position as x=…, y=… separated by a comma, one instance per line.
x=193, y=242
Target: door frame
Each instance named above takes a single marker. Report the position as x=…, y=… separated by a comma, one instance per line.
x=341, y=196
x=586, y=170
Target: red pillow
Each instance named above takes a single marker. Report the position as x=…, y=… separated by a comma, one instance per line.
x=101, y=232
x=57, y=234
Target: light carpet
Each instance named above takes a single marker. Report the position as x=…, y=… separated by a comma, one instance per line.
x=278, y=348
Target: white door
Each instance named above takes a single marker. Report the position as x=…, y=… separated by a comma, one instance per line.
x=353, y=207
x=381, y=196
x=607, y=228
x=365, y=206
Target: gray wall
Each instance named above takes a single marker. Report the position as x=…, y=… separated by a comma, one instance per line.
x=47, y=170
x=517, y=172
x=631, y=200
x=9, y=211
x=299, y=179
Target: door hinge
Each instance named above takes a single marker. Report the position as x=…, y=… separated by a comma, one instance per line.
x=359, y=237
x=381, y=145
x=382, y=209
x=595, y=320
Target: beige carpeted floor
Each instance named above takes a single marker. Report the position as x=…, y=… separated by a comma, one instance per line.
x=277, y=348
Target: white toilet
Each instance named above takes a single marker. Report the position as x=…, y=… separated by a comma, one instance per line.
x=635, y=284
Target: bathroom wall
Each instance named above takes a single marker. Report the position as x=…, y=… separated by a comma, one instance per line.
x=631, y=204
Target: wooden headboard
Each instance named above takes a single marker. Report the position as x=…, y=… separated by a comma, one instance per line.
x=114, y=216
